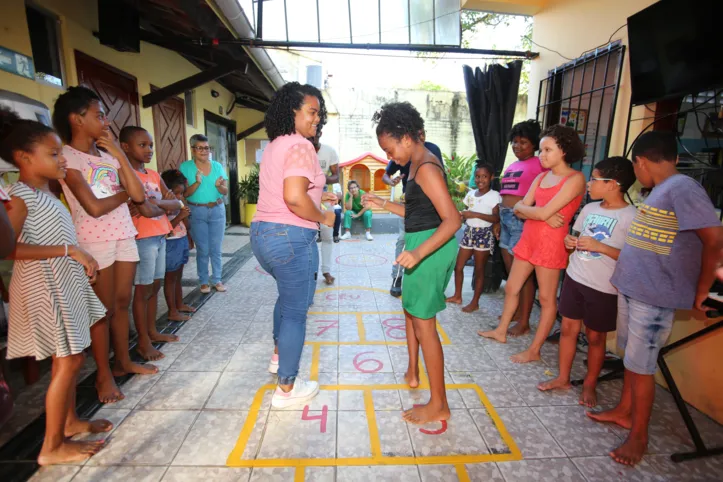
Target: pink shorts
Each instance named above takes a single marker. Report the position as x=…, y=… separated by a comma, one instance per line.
x=108, y=252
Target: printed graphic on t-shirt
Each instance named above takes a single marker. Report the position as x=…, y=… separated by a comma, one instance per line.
x=153, y=191
x=599, y=228
x=510, y=181
x=103, y=179
x=653, y=230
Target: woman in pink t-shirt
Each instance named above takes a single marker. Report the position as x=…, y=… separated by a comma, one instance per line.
x=283, y=232
x=99, y=183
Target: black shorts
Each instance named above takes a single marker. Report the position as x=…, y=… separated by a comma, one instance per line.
x=597, y=310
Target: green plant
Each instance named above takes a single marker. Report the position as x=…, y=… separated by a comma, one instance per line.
x=459, y=167
x=248, y=186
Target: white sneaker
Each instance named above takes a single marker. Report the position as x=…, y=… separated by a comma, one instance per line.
x=301, y=393
x=369, y=236
x=346, y=235
x=274, y=364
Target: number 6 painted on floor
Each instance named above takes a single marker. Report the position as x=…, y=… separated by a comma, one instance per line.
x=358, y=364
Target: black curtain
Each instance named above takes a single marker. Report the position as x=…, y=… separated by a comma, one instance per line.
x=492, y=97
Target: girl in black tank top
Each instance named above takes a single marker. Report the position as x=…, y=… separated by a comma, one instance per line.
x=431, y=220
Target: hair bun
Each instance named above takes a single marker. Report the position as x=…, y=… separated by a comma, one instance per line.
x=8, y=120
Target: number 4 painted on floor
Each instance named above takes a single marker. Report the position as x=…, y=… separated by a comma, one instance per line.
x=321, y=418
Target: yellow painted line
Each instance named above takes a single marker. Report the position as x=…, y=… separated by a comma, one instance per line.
x=462, y=474
x=360, y=327
x=361, y=343
x=423, y=379
x=374, y=439
x=235, y=458
x=315, y=356
x=300, y=473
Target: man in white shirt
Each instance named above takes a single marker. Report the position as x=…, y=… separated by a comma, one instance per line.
x=329, y=161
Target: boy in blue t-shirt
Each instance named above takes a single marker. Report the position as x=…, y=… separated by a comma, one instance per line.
x=668, y=262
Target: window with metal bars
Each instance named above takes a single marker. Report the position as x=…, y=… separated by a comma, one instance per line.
x=583, y=94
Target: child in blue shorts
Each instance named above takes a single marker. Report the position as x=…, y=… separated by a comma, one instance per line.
x=668, y=262
x=178, y=244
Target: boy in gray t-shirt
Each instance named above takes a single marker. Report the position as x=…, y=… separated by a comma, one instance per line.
x=587, y=296
x=668, y=262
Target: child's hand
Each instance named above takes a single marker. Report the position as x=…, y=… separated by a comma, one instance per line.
x=570, y=242
x=397, y=179
x=133, y=209
x=699, y=300
x=370, y=200
x=199, y=176
x=88, y=262
x=191, y=244
x=108, y=143
x=184, y=213
x=408, y=259
x=465, y=214
x=556, y=221
x=169, y=196
x=587, y=243
x=496, y=230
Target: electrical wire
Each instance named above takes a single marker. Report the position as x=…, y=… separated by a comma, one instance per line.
x=586, y=51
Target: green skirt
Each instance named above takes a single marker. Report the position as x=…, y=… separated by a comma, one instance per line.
x=424, y=285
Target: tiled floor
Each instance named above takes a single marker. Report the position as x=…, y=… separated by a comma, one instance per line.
x=207, y=417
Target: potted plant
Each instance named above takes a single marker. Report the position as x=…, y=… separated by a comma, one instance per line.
x=248, y=191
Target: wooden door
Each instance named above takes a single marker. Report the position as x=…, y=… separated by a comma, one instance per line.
x=117, y=89
x=169, y=124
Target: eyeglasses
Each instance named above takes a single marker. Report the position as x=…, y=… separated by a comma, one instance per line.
x=604, y=179
x=201, y=148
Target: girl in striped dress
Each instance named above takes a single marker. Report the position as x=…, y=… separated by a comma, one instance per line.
x=52, y=304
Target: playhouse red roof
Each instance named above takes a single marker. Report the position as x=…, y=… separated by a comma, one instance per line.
x=362, y=157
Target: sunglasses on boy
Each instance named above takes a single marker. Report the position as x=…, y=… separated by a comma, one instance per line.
x=604, y=179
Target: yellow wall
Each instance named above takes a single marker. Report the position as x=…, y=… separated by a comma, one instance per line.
x=571, y=27
x=154, y=65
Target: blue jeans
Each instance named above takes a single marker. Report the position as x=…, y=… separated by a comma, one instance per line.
x=290, y=255
x=207, y=228
x=511, y=229
x=642, y=331
x=152, y=265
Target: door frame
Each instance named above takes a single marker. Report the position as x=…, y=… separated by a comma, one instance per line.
x=232, y=160
x=155, y=124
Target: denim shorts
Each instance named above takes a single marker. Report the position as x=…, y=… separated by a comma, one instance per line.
x=152, y=265
x=511, y=228
x=643, y=330
x=176, y=253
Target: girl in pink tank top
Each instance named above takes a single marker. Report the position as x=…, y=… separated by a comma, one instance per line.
x=548, y=207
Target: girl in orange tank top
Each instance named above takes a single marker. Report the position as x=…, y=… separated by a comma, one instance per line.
x=548, y=208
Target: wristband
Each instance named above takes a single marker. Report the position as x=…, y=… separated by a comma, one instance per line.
x=66, y=250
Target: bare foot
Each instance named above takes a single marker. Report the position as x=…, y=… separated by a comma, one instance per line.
x=421, y=414
x=87, y=426
x=630, y=452
x=136, y=368
x=412, y=377
x=471, y=308
x=149, y=353
x=457, y=300
x=526, y=356
x=519, y=329
x=615, y=415
x=187, y=309
x=178, y=317
x=588, y=397
x=167, y=338
x=554, y=384
x=494, y=335
x=108, y=391
x=70, y=451
x=329, y=279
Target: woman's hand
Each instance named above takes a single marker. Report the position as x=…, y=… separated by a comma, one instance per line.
x=83, y=257
x=329, y=197
x=183, y=213
x=556, y=221
x=408, y=259
x=220, y=182
x=329, y=218
x=496, y=230
x=199, y=176
x=587, y=243
x=110, y=145
x=570, y=242
x=370, y=200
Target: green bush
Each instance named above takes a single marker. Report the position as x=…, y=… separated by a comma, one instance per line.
x=458, y=172
x=248, y=186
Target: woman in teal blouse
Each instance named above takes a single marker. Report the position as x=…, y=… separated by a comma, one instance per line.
x=207, y=184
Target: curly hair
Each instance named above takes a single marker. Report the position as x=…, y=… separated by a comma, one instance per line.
x=529, y=129
x=567, y=140
x=483, y=165
x=173, y=178
x=76, y=100
x=399, y=119
x=279, y=119
x=619, y=169
x=18, y=134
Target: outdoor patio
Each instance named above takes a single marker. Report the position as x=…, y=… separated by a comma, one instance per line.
x=207, y=414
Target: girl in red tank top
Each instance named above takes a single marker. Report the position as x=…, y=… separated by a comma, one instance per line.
x=548, y=208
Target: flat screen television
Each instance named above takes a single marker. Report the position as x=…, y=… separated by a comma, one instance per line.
x=676, y=48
